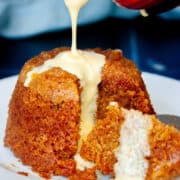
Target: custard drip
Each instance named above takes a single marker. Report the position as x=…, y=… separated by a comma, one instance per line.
x=86, y=66
x=74, y=7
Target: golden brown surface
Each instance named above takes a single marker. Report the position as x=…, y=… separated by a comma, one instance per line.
x=42, y=128
x=103, y=140
x=122, y=82
x=165, y=152
x=43, y=121
x=87, y=174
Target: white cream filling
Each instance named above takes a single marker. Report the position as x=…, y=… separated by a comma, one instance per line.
x=134, y=146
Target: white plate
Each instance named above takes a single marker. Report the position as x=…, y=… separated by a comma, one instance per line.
x=164, y=93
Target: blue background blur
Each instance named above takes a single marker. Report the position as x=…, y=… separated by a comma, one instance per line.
x=29, y=27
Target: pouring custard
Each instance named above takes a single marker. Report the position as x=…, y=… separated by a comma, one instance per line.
x=69, y=116
x=85, y=65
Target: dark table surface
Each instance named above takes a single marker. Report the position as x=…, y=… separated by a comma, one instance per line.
x=152, y=43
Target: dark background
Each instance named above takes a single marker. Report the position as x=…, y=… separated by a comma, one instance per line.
x=152, y=43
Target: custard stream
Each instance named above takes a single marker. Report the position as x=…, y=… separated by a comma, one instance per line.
x=74, y=7
x=87, y=67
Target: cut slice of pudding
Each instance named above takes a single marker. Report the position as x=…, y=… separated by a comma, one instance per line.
x=131, y=145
